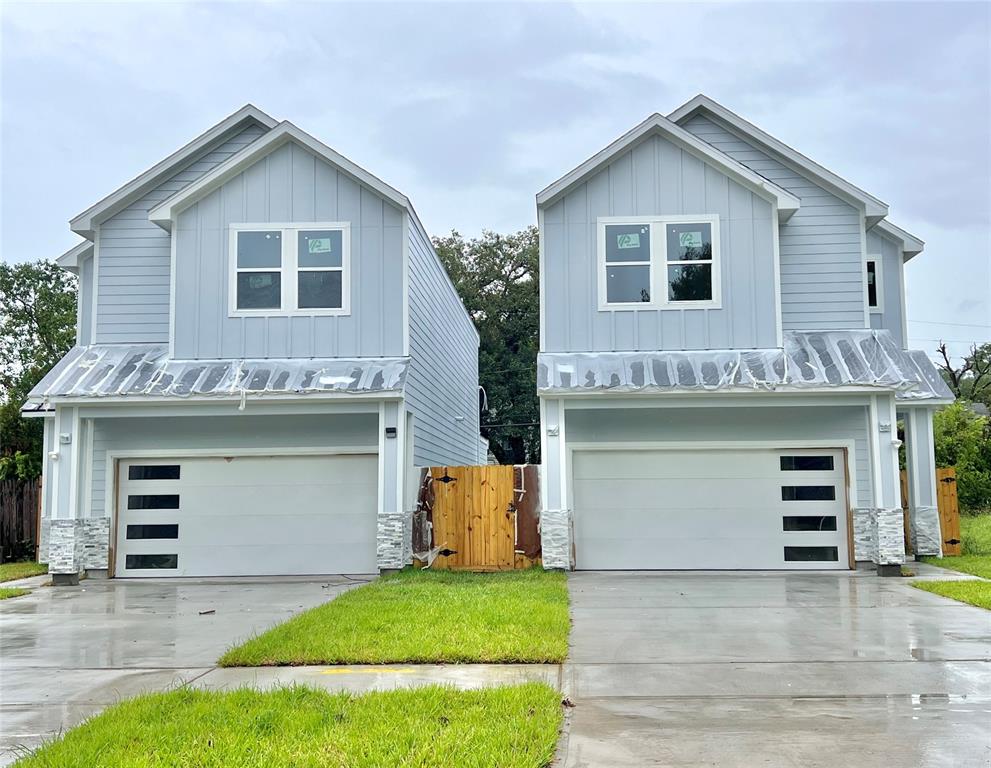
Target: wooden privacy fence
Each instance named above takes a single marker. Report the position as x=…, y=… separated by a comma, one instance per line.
x=482, y=518
x=947, y=505
x=20, y=517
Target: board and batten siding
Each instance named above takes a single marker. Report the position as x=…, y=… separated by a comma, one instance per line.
x=822, y=280
x=891, y=284
x=84, y=302
x=133, y=256
x=289, y=185
x=746, y=424
x=173, y=435
x=656, y=178
x=442, y=382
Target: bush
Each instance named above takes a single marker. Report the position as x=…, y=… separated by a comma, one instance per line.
x=963, y=440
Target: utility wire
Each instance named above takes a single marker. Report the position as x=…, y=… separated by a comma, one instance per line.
x=962, y=325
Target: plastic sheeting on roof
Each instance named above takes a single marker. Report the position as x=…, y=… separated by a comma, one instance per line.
x=809, y=360
x=145, y=370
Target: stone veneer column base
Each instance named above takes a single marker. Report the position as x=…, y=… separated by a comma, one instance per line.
x=393, y=545
x=926, y=533
x=879, y=536
x=555, y=539
x=76, y=545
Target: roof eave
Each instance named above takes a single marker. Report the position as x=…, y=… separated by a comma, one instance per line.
x=657, y=124
x=165, y=212
x=70, y=260
x=874, y=208
x=85, y=223
x=910, y=245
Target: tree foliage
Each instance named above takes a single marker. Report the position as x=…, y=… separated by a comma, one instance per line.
x=37, y=327
x=496, y=277
x=963, y=440
x=971, y=380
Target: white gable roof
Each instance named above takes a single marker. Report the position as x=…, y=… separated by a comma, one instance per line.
x=910, y=244
x=164, y=213
x=875, y=209
x=658, y=125
x=71, y=258
x=86, y=221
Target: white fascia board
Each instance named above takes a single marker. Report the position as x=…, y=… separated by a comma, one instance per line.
x=909, y=243
x=71, y=259
x=85, y=223
x=659, y=125
x=285, y=132
x=874, y=208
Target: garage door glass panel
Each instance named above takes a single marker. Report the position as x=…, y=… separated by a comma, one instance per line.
x=809, y=523
x=806, y=463
x=153, y=501
x=811, y=554
x=153, y=472
x=147, y=562
x=808, y=493
x=153, y=531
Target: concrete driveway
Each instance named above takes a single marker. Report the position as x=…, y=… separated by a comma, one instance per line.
x=68, y=652
x=771, y=670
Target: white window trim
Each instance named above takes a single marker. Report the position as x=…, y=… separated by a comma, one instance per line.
x=659, y=258
x=878, y=283
x=290, y=269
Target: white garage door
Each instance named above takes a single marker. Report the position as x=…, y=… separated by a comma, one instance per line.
x=247, y=516
x=710, y=509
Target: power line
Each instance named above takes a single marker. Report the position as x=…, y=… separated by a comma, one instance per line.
x=962, y=325
x=950, y=341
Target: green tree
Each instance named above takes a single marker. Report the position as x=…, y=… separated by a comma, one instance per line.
x=963, y=440
x=37, y=327
x=971, y=380
x=496, y=277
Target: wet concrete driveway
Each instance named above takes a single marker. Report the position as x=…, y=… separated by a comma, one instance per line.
x=68, y=652
x=774, y=670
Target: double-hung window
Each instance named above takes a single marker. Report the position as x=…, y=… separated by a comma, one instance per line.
x=663, y=262
x=292, y=269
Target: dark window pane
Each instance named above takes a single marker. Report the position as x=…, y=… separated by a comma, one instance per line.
x=811, y=554
x=627, y=284
x=872, y=283
x=809, y=523
x=320, y=290
x=153, y=501
x=806, y=463
x=808, y=493
x=321, y=248
x=628, y=242
x=689, y=242
x=259, y=290
x=153, y=472
x=259, y=249
x=152, y=561
x=148, y=531
x=690, y=283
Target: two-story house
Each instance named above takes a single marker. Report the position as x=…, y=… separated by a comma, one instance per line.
x=267, y=344
x=723, y=364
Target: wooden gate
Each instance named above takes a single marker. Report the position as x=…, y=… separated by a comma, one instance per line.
x=948, y=506
x=20, y=518
x=478, y=516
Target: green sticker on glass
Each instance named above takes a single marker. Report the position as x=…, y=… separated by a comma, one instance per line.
x=628, y=241
x=690, y=239
x=319, y=245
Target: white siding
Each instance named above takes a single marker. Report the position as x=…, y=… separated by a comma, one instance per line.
x=442, y=384
x=892, y=284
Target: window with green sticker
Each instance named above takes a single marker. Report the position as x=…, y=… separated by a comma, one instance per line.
x=628, y=270
x=689, y=261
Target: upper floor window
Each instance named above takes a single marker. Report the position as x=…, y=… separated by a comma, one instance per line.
x=290, y=269
x=874, y=296
x=659, y=262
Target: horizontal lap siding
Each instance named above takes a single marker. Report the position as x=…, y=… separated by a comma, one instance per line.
x=656, y=178
x=442, y=383
x=133, y=257
x=289, y=185
x=754, y=424
x=822, y=283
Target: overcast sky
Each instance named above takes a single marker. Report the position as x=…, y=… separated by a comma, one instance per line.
x=470, y=109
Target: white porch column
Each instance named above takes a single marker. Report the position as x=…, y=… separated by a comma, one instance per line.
x=555, y=517
x=64, y=539
x=920, y=461
x=881, y=529
x=394, y=537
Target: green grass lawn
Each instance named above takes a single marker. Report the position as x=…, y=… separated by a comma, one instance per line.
x=6, y=592
x=425, y=617
x=974, y=592
x=509, y=727
x=12, y=571
x=975, y=533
